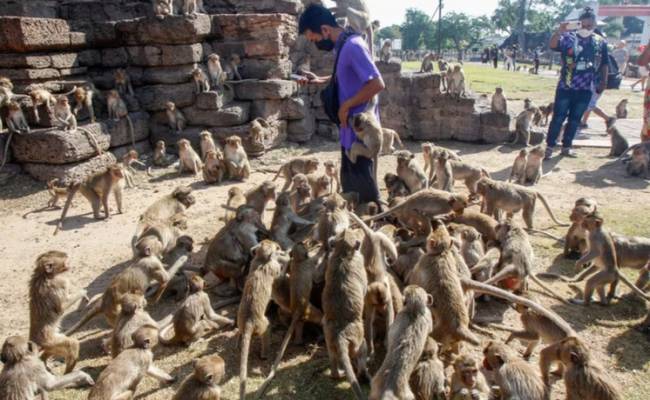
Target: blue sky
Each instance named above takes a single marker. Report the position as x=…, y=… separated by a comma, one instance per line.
x=392, y=11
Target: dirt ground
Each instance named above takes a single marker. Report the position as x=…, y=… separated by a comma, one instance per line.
x=100, y=249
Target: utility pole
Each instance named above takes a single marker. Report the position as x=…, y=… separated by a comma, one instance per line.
x=439, y=28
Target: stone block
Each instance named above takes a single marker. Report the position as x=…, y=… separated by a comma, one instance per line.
x=301, y=130
x=238, y=27
x=167, y=75
x=72, y=71
x=175, y=29
x=69, y=173
x=327, y=130
x=184, y=54
x=269, y=89
x=145, y=56
x=233, y=114
x=291, y=109
x=30, y=74
x=153, y=98
x=53, y=146
x=293, y=7
x=17, y=60
x=23, y=34
x=90, y=58
x=495, y=127
x=209, y=100
x=265, y=69
x=389, y=68
x=142, y=147
x=119, y=130
x=65, y=60
x=117, y=57
x=467, y=129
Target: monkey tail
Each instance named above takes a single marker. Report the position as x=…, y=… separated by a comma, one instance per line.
x=550, y=212
x=635, y=289
x=550, y=275
x=243, y=366
x=93, y=310
x=465, y=334
x=283, y=348
x=495, y=291
x=92, y=139
x=162, y=336
x=547, y=289
x=344, y=354
x=6, y=153
x=544, y=233
x=485, y=173
x=481, y=330
x=399, y=140
x=131, y=130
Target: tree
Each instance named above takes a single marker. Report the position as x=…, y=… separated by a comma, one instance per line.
x=417, y=30
x=390, y=32
x=464, y=32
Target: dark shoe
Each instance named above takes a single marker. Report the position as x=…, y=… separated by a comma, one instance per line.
x=548, y=153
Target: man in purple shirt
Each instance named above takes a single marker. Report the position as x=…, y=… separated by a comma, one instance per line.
x=358, y=82
x=584, y=65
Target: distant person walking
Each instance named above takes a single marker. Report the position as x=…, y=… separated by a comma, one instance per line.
x=495, y=57
x=584, y=63
x=644, y=59
x=536, y=60
x=621, y=56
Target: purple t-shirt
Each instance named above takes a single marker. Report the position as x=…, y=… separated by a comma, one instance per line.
x=355, y=68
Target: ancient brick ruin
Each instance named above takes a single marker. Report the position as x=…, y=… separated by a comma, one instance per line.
x=59, y=44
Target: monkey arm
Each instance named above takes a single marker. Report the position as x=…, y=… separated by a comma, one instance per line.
x=159, y=374
x=295, y=219
x=49, y=382
x=165, y=322
x=71, y=300
x=590, y=256
x=211, y=314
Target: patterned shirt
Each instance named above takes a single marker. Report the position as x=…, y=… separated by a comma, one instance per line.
x=355, y=68
x=581, y=60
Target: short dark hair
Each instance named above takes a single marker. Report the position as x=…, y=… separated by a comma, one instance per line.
x=588, y=13
x=314, y=17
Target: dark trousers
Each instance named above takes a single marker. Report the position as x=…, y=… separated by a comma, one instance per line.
x=495, y=62
x=359, y=178
x=570, y=105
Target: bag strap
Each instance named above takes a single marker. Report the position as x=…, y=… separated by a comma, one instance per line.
x=338, y=54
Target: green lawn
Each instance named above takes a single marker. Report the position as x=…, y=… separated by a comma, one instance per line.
x=521, y=85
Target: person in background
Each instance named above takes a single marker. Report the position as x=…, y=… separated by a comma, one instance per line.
x=495, y=57
x=621, y=56
x=514, y=57
x=644, y=67
x=584, y=64
x=536, y=60
x=644, y=59
x=358, y=81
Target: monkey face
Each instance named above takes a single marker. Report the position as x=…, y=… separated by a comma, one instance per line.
x=312, y=165
x=283, y=200
x=299, y=180
x=468, y=374
x=493, y=356
x=214, y=58
x=235, y=59
x=235, y=191
x=578, y=214
x=233, y=142
x=210, y=370
x=196, y=283
x=426, y=148
x=268, y=188
x=265, y=250
x=592, y=221
x=170, y=106
x=13, y=106
x=459, y=202
x=52, y=263
x=499, y=90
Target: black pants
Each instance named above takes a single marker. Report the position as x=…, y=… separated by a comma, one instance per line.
x=359, y=178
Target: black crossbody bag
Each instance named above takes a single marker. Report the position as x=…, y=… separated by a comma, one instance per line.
x=330, y=95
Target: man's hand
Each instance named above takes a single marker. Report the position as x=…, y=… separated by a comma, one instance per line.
x=601, y=88
x=344, y=112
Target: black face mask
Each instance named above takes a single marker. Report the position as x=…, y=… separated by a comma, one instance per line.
x=325, y=45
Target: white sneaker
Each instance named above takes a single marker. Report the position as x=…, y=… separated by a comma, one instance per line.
x=569, y=152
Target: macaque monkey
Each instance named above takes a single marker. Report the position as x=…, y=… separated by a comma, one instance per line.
x=639, y=164
x=236, y=159
x=123, y=83
x=6, y=83
x=204, y=382
x=345, y=287
x=430, y=154
x=56, y=193
x=256, y=296
x=321, y=185
x=300, y=196
x=160, y=156
x=444, y=174
x=83, y=97
x=407, y=337
x=534, y=170
x=457, y=82
x=41, y=97
x=386, y=51
x=169, y=209
x=390, y=137
x=518, y=171
x=66, y=120
x=117, y=110
x=175, y=118
x=193, y=7
x=467, y=381
x=427, y=63
x=368, y=130
x=132, y=317
x=298, y=165
x=236, y=198
x=621, y=109
x=96, y=189
x=260, y=196
x=215, y=72
x=357, y=15
x=188, y=159
x=395, y=187
x=605, y=268
x=285, y=220
x=499, y=102
x=619, y=142
x=128, y=159
x=546, y=112
x=332, y=170
x=16, y=123
x=428, y=378
x=515, y=377
x=162, y=8
x=232, y=68
x=523, y=126
x=207, y=143
x=214, y=167
x=575, y=242
x=25, y=375
x=584, y=377
x=200, y=80
x=195, y=318
x=50, y=295
x=120, y=378
x=409, y=171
